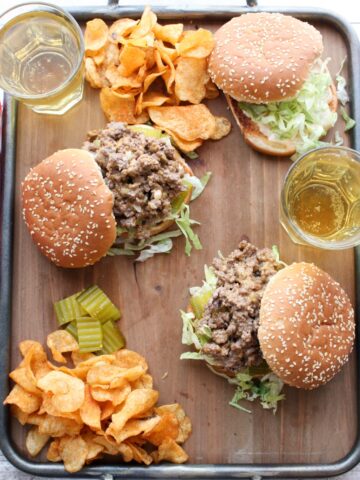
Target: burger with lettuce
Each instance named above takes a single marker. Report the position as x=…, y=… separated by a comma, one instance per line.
x=279, y=89
x=262, y=324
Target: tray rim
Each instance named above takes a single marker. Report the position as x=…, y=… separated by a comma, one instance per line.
x=168, y=471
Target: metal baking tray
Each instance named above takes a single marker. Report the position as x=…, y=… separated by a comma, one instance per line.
x=187, y=471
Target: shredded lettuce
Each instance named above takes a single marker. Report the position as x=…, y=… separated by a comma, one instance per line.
x=341, y=84
x=276, y=253
x=198, y=184
x=349, y=122
x=184, y=223
x=302, y=120
x=191, y=155
x=251, y=383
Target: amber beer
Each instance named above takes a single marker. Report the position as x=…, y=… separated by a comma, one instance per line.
x=320, y=202
x=41, y=56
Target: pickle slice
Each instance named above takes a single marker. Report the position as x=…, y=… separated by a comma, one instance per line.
x=199, y=302
x=179, y=200
x=113, y=339
x=98, y=305
x=71, y=328
x=68, y=309
x=89, y=333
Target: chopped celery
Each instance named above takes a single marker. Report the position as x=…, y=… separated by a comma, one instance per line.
x=113, y=339
x=98, y=305
x=71, y=328
x=89, y=334
x=68, y=309
x=199, y=302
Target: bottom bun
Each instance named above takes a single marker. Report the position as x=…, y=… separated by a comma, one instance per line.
x=258, y=140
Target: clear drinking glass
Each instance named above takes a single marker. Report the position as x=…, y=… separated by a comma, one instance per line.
x=41, y=57
x=320, y=199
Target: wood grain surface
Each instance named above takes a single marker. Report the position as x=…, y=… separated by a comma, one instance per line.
x=241, y=199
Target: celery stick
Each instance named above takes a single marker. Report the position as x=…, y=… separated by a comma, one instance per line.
x=113, y=339
x=98, y=305
x=68, y=309
x=71, y=328
x=89, y=334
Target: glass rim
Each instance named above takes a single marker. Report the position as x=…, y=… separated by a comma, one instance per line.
x=309, y=239
x=77, y=30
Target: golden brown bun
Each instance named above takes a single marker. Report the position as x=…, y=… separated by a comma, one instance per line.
x=68, y=209
x=307, y=326
x=258, y=140
x=264, y=57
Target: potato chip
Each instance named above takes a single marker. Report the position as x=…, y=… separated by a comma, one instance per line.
x=172, y=452
x=94, y=449
x=222, y=128
x=146, y=24
x=150, y=78
x=191, y=122
x=169, y=75
x=93, y=75
x=108, y=444
x=114, y=395
x=211, y=90
x=131, y=59
x=68, y=391
x=126, y=452
x=181, y=144
x=26, y=345
x=35, y=441
x=190, y=79
x=60, y=342
x=121, y=28
x=105, y=374
x=167, y=427
x=118, y=108
x=140, y=455
x=170, y=33
x=145, y=381
x=73, y=452
x=48, y=407
x=107, y=409
x=116, y=80
x=27, y=402
x=196, y=44
x=127, y=359
x=24, y=377
x=183, y=421
x=151, y=99
x=58, y=427
x=95, y=36
x=21, y=416
x=79, y=357
x=53, y=453
x=136, y=403
x=90, y=412
x=169, y=51
x=136, y=427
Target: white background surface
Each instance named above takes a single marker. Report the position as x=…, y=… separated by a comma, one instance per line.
x=349, y=9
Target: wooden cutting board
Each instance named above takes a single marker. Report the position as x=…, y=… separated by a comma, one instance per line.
x=242, y=199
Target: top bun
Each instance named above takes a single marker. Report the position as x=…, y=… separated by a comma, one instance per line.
x=307, y=326
x=264, y=57
x=68, y=209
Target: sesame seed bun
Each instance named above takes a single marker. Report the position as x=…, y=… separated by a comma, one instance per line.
x=258, y=140
x=307, y=326
x=264, y=57
x=68, y=209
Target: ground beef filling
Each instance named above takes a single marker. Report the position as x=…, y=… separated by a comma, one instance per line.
x=233, y=311
x=142, y=172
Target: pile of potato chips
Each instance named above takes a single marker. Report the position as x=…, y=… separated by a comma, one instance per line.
x=139, y=65
x=104, y=405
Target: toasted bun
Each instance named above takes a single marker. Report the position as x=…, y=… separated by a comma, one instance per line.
x=258, y=140
x=264, y=57
x=307, y=326
x=68, y=209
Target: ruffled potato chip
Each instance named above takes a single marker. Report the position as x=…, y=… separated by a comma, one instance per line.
x=95, y=36
x=196, y=43
x=60, y=342
x=68, y=391
x=121, y=29
x=190, y=79
x=35, y=441
x=169, y=33
x=222, y=128
x=191, y=122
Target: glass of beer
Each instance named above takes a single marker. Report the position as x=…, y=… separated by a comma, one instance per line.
x=320, y=199
x=41, y=57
